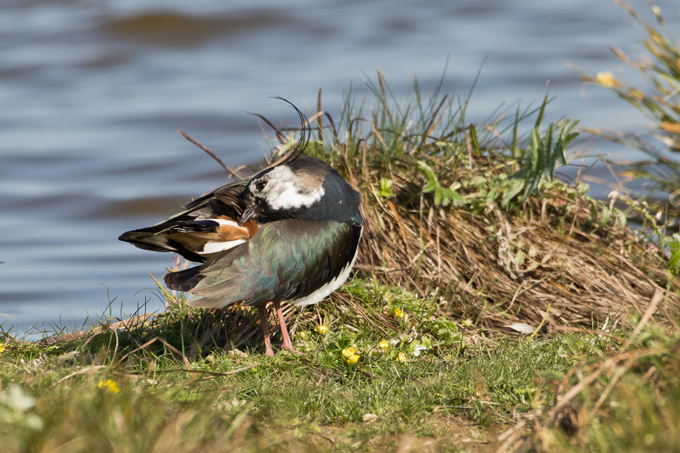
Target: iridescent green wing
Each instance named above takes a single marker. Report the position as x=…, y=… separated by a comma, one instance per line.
x=285, y=260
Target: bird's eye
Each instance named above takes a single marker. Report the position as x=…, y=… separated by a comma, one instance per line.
x=259, y=185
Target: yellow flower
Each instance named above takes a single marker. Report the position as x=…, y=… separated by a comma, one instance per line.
x=607, y=80
x=323, y=329
x=384, y=345
x=347, y=353
x=110, y=385
x=353, y=358
x=398, y=313
x=401, y=357
x=2, y=348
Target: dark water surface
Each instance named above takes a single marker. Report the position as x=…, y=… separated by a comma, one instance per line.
x=91, y=93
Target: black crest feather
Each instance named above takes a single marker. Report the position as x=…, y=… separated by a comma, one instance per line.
x=303, y=141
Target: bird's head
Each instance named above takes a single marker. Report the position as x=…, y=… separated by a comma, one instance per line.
x=302, y=188
x=285, y=190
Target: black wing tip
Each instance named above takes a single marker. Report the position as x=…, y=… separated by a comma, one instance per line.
x=128, y=236
x=138, y=238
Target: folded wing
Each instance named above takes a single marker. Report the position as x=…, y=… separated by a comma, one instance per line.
x=284, y=261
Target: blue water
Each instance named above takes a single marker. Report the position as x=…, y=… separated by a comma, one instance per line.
x=91, y=93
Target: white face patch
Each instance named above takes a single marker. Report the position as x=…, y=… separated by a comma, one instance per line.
x=285, y=190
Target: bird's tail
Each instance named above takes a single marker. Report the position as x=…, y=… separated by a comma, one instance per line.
x=184, y=280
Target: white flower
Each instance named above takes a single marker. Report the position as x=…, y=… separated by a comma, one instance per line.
x=13, y=406
x=15, y=398
x=369, y=418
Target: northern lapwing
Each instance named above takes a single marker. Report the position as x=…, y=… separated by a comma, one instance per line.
x=290, y=233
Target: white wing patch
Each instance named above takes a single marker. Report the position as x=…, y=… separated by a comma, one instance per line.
x=213, y=247
x=329, y=287
x=285, y=192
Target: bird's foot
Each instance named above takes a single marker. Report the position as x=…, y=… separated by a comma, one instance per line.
x=269, y=352
x=291, y=349
x=287, y=344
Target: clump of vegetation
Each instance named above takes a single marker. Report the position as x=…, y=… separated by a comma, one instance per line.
x=472, y=214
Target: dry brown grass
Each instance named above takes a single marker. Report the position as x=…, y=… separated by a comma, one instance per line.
x=504, y=268
x=498, y=263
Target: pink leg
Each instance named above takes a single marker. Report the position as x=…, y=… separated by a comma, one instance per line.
x=287, y=344
x=262, y=311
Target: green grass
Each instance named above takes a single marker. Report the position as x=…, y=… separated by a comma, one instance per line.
x=440, y=385
x=459, y=386
x=634, y=405
x=458, y=390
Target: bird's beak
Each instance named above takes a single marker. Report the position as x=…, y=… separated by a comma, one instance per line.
x=248, y=214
